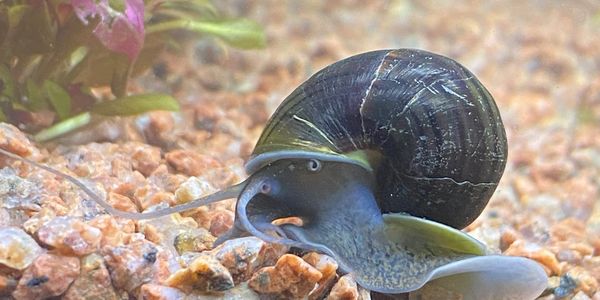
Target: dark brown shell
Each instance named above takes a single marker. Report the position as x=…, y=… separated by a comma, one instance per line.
x=438, y=131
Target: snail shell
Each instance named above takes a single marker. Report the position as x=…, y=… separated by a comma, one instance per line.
x=423, y=123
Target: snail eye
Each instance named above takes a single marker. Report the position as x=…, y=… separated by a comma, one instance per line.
x=313, y=165
x=265, y=188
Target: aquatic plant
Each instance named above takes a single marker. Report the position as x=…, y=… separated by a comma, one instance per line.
x=54, y=52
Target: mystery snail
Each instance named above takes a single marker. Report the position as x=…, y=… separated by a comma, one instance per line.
x=383, y=157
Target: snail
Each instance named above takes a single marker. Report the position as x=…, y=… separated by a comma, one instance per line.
x=383, y=157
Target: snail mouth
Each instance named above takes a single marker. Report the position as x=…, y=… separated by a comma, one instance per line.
x=257, y=215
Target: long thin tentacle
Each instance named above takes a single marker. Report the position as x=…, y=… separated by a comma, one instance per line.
x=228, y=193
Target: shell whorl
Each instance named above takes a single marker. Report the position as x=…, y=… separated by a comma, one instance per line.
x=437, y=129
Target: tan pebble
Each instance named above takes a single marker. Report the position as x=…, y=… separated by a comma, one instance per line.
x=162, y=178
x=541, y=255
x=570, y=256
x=131, y=265
x=114, y=232
x=121, y=202
x=569, y=229
x=94, y=282
x=592, y=265
x=363, y=294
x=159, y=126
x=345, y=289
x=596, y=296
x=15, y=141
x=17, y=249
x=164, y=230
x=7, y=285
x=205, y=274
x=243, y=256
x=325, y=264
x=291, y=278
x=507, y=238
x=193, y=188
x=202, y=215
x=583, y=248
x=580, y=296
x=585, y=282
x=151, y=233
x=196, y=240
x=151, y=291
x=150, y=195
x=191, y=163
x=70, y=236
x=488, y=233
x=220, y=222
x=49, y=276
x=157, y=199
x=145, y=159
x=328, y=267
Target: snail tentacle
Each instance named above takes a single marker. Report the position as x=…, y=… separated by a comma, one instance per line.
x=228, y=193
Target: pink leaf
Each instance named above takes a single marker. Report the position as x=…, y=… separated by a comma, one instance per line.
x=121, y=32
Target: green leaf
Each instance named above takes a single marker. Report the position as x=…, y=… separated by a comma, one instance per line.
x=35, y=96
x=118, y=5
x=3, y=116
x=136, y=104
x=15, y=14
x=7, y=84
x=120, y=76
x=240, y=33
x=63, y=127
x=186, y=9
x=59, y=98
x=3, y=24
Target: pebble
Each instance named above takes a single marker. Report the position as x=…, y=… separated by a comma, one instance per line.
x=49, y=276
x=17, y=193
x=150, y=195
x=7, y=285
x=193, y=188
x=165, y=230
x=15, y=141
x=585, y=282
x=580, y=296
x=220, y=222
x=243, y=256
x=204, y=274
x=17, y=249
x=324, y=263
x=191, y=163
x=145, y=159
x=114, y=231
x=328, y=267
x=194, y=240
x=94, y=282
x=344, y=289
x=290, y=278
x=70, y=236
x=133, y=264
x=121, y=202
x=152, y=291
x=544, y=256
x=160, y=292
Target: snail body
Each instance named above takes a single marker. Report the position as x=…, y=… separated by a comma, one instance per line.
x=383, y=156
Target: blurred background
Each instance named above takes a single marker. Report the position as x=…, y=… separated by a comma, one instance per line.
x=539, y=59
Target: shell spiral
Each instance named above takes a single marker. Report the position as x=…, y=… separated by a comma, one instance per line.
x=437, y=131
